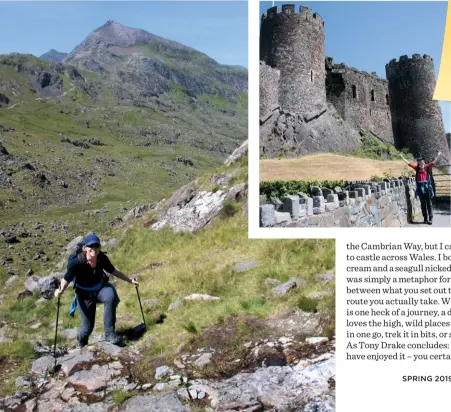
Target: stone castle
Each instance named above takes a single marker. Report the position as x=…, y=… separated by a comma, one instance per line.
x=310, y=104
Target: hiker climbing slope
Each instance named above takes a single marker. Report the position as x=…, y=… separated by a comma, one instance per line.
x=425, y=187
x=86, y=270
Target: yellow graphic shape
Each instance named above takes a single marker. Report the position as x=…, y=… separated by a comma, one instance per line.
x=443, y=87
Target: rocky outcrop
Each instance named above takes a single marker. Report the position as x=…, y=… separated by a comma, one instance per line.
x=292, y=135
x=155, y=403
x=283, y=289
x=194, y=215
x=87, y=380
x=4, y=100
x=47, y=286
x=189, y=209
x=135, y=213
x=237, y=154
x=280, y=388
x=3, y=150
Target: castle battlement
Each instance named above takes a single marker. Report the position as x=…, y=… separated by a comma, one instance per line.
x=305, y=13
x=343, y=68
x=403, y=60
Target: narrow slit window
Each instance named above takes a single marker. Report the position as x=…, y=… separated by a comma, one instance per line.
x=386, y=99
x=311, y=76
x=372, y=95
x=354, y=91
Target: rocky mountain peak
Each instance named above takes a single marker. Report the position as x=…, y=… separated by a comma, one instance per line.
x=115, y=34
x=54, y=56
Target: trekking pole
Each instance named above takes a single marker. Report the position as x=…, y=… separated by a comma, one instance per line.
x=56, y=334
x=139, y=300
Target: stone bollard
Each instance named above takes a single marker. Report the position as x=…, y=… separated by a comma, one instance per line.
x=343, y=198
x=318, y=205
x=267, y=216
x=302, y=210
x=360, y=192
x=327, y=192
x=382, y=186
x=291, y=205
x=276, y=202
x=316, y=191
x=332, y=198
x=308, y=202
x=367, y=189
x=309, y=206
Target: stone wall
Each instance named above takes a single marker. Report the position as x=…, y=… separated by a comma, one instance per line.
x=360, y=98
x=389, y=203
x=269, y=88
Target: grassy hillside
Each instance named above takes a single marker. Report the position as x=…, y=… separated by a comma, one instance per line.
x=172, y=265
x=77, y=154
x=103, y=146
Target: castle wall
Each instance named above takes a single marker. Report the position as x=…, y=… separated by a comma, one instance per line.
x=360, y=98
x=269, y=88
x=417, y=119
x=294, y=43
x=295, y=75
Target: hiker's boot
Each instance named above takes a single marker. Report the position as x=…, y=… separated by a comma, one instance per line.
x=81, y=341
x=115, y=339
x=426, y=221
x=430, y=221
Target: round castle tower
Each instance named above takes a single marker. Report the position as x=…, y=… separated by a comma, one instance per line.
x=416, y=118
x=294, y=43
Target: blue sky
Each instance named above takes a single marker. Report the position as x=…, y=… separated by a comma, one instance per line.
x=218, y=29
x=367, y=35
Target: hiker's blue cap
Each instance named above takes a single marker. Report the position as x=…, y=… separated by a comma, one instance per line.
x=419, y=159
x=91, y=239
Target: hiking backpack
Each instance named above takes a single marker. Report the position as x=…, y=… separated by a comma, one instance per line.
x=430, y=177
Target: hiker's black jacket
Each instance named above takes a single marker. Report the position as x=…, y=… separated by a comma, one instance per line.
x=78, y=268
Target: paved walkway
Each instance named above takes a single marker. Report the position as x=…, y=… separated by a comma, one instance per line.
x=442, y=217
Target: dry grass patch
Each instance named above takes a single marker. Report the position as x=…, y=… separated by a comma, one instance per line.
x=326, y=166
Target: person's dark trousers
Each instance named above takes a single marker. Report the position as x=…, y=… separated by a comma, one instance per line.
x=87, y=309
x=426, y=205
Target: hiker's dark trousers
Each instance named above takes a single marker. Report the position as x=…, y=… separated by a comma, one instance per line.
x=87, y=309
x=426, y=204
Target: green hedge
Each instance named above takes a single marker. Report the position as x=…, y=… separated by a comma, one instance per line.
x=282, y=188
